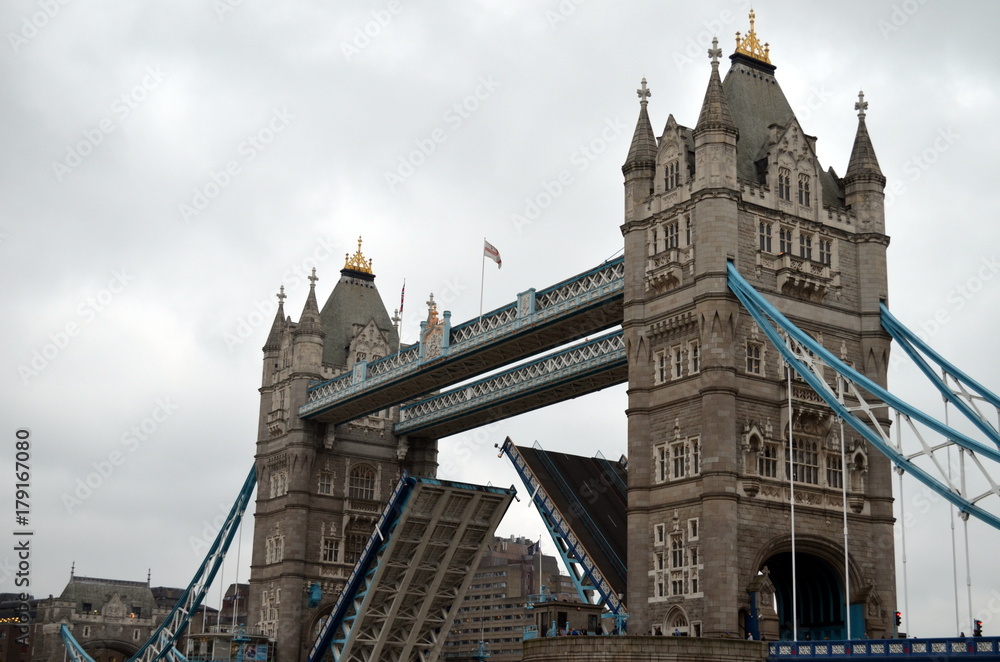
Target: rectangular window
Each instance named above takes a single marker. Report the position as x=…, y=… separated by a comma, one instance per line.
x=673, y=175
x=354, y=546
x=662, y=462
x=331, y=550
x=678, y=362
x=806, y=465
x=672, y=234
x=753, y=358
x=784, y=184
x=806, y=246
x=693, y=529
x=825, y=251
x=678, y=459
x=326, y=483
x=785, y=240
x=676, y=552
x=687, y=231
x=661, y=367
x=659, y=560
x=764, y=237
x=804, y=190
x=658, y=534
x=767, y=464
x=834, y=473
x=655, y=248
x=694, y=357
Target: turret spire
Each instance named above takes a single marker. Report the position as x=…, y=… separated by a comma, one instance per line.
x=642, y=152
x=715, y=109
x=309, y=321
x=863, y=162
x=273, y=342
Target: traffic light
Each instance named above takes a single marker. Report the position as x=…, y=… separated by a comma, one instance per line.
x=899, y=618
x=977, y=630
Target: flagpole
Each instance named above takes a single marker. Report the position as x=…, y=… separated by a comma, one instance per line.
x=482, y=278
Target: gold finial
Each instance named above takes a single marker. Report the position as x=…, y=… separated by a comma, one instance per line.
x=750, y=46
x=357, y=262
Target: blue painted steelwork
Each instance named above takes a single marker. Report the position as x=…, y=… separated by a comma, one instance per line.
x=914, y=346
x=982, y=649
x=531, y=312
x=161, y=644
x=766, y=316
x=337, y=627
x=574, y=557
x=585, y=359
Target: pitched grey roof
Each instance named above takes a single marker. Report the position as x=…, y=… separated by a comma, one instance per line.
x=97, y=592
x=863, y=158
x=757, y=102
x=354, y=300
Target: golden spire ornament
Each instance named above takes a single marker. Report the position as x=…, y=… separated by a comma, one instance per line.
x=750, y=46
x=357, y=262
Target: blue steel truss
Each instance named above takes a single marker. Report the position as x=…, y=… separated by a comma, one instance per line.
x=590, y=584
x=532, y=312
x=962, y=399
x=808, y=358
x=161, y=645
x=571, y=365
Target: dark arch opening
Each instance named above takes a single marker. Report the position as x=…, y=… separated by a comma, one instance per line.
x=819, y=601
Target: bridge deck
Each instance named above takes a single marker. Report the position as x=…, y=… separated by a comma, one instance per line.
x=982, y=649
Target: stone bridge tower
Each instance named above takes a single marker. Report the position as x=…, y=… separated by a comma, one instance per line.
x=320, y=487
x=708, y=414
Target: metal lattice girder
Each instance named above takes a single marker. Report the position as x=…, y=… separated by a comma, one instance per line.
x=810, y=360
x=590, y=583
x=584, y=368
x=161, y=643
x=536, y=322
x=403, y=594
x=962, y=398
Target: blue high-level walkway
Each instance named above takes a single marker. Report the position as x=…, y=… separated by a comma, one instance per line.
x=536, y=321
x=980, y=649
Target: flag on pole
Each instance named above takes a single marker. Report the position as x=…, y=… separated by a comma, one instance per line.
x=490, y=251
x=533, y=548
x=402, y=296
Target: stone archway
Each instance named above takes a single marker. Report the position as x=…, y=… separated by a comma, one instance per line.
x=819, y=596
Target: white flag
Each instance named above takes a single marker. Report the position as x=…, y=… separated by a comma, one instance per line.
x=490, y=251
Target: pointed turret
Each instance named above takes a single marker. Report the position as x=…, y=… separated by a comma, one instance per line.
x=309, y=320
x=863, y=162
x=864, y=183
x=273, y=342
x=716, y=134
x=715, y=113
x=642, y=152
x=640, y=166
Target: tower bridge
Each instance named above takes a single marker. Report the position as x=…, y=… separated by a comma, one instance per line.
x=755, y=337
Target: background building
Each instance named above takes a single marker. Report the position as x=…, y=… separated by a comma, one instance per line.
x=494, y=610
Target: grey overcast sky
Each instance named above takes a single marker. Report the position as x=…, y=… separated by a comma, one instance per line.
x=165, y=167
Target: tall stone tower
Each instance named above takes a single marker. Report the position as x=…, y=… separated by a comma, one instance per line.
x=708, y=414
x=321, y=487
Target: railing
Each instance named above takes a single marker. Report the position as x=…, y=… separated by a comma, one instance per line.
x=956, y=647
x=530, y=310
